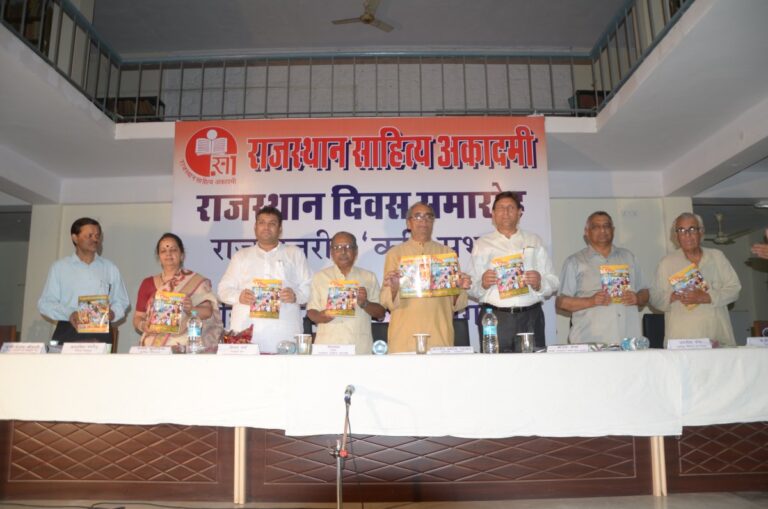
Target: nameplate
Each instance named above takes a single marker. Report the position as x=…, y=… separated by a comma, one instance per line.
x=238, y=349
x=575, y=348
x=333, y=349
x=689, y=344
x=760, y=342
x=85, y=348
x=448, y=350
x=23, y=348
x=151, y=350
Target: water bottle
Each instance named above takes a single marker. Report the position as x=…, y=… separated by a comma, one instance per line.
x=639, y=343
x=194, y=332
x=490, y=340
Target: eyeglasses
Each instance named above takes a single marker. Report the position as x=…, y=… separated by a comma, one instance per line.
x=601, y=227
x=688, y=231
x=343, y=247
x=429, y=217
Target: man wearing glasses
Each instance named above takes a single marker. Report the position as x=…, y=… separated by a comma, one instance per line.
x=602, y=287
x=344, y=298
x=430, y=315
x=521, y=312
x=694, y=286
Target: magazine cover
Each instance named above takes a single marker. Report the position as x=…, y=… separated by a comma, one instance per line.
x=93, y=313
x=342, y=297
x=689, y=278
x=445, y=275
x=614, y=279
x=415, y=276
x=509, y=275
x=166, y=312
x=267, y=303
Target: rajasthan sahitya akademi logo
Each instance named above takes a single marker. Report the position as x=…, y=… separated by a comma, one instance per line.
x=211, y=156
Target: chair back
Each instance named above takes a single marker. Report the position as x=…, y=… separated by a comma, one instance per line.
x=653, y=329
x=114, y=333
x=460, y=332
x=8, y=334
x=380, y=330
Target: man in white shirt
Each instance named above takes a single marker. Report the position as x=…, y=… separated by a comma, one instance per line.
x=595, y=315
x=268, y=259
x=521, y=312
x=349, y=330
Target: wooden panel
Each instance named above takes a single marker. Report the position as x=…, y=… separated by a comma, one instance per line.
x=163, y=462
x=726, y=457
x=291, y=469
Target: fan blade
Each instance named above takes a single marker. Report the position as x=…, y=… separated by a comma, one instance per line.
x=381, y=25
x=370, y=6
x=740, y=233
x=345, y=21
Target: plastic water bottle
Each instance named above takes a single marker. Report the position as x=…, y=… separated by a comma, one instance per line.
x=490, y=341
x=194, y=333
x=639, y=343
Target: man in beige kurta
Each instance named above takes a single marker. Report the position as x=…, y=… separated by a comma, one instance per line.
x=684, y=319
x=431, y=315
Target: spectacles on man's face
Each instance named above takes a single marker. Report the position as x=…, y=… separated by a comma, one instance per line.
x=429, y=217
x=688, y=231
x=596, y=227
x=343, y=247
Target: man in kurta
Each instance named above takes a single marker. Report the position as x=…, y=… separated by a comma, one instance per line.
x=602, y=287
x=694, y=308
x=344, y=298
x=430, y=315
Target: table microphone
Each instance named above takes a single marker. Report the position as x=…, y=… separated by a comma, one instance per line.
x=348, y=394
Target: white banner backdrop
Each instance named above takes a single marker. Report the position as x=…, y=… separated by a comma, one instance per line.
x=358, y=175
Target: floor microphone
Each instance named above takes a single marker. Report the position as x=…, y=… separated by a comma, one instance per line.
x=348, y=394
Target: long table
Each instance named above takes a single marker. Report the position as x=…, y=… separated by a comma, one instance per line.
x=287, y=400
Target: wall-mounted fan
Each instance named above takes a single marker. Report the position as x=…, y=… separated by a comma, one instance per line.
x=368, y=17
x=721, y=237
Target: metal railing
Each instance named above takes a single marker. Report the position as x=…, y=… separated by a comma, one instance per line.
x=339, y=85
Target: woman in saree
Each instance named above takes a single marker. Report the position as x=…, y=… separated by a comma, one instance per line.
x=166, y=301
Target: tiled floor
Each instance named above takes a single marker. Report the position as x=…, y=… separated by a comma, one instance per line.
x=751, y=500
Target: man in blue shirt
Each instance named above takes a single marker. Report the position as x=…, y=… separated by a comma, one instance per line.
x=83, y=273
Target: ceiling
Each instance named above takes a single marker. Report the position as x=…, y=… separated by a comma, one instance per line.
x=703, y=87
x=148, y=28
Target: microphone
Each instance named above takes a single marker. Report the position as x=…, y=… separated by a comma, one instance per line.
x=348, y=394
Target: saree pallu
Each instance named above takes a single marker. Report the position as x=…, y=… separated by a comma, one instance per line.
x=198, y=289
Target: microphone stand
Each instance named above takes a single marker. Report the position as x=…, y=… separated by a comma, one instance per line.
x=339, y=452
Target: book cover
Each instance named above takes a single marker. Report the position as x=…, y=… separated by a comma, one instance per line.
x=267, y=303
x=509, y=275
x=614, y=279
x=688, y=278
x=166, y=312
x=342, y=297
x=93, y=313
x=415, y=275
x=444, y=270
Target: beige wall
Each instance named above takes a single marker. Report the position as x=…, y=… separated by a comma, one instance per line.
x=131, y=231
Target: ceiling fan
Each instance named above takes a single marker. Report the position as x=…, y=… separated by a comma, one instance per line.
x=368, y=17
x=723, y=238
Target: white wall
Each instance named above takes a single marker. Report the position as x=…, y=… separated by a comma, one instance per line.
x=130, y=234
x=13, y=265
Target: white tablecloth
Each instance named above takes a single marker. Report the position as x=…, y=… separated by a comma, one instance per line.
x=646, y=393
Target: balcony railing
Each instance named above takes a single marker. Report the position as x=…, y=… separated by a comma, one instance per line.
x=339, y=85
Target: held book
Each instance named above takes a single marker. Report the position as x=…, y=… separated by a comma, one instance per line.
x=93, y=313
x=342, y=297
x=429, y=276
x=614, y=279
x=166, y=312
x=509, y=275
x=687, y=279
x=267, y=303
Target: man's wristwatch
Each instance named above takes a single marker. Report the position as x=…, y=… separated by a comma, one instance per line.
x=364, y=304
